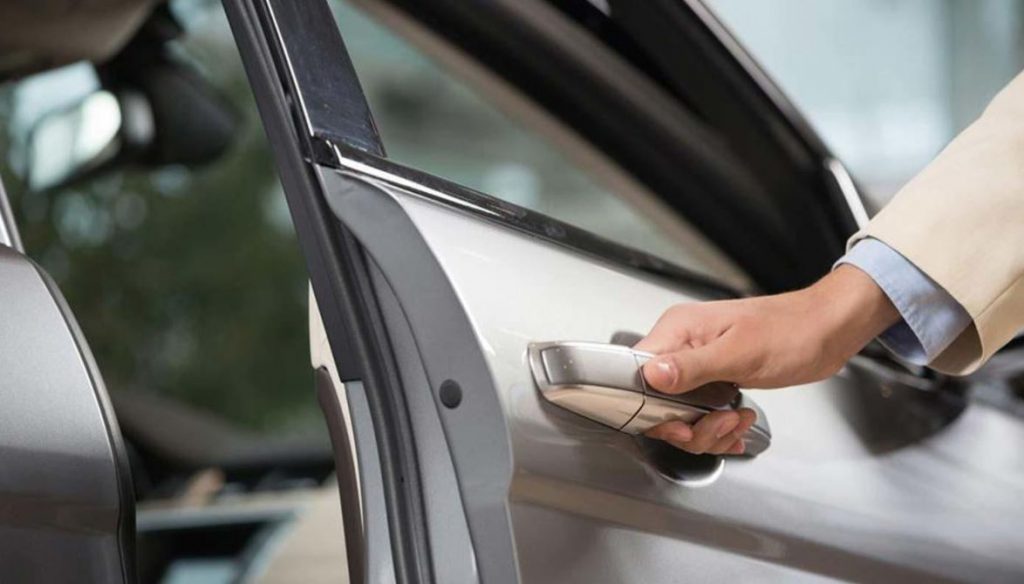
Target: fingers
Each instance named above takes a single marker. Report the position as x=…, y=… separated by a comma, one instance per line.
x=662, y=374
x=689, y=341
x=715, y=433
x=687, y=369
x=710, y=430
x=732, y=443
x=676, y=433
x=660, y=340
x=671, y=332
x=699, y=438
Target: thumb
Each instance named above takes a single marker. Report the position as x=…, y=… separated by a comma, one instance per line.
x=687, y=369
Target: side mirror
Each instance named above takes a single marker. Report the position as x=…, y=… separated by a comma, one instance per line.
x=164, y=114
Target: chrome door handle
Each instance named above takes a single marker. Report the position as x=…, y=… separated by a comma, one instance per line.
x=605, y=383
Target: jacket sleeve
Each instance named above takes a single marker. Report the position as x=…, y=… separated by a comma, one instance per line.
x=961, y=222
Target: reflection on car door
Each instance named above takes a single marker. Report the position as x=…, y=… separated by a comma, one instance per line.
x=430, y=294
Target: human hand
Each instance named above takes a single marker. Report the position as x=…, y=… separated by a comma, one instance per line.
x=762, y=342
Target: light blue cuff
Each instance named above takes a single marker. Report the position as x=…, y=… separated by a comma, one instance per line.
x=932, y=319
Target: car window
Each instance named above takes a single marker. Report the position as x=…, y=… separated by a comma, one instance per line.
x=886, y=84
x=450, y=121
x=187, y=281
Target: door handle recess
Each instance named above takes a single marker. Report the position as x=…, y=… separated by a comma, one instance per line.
x=605, y=383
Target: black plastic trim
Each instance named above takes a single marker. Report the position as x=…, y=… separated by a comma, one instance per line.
x=333, y=106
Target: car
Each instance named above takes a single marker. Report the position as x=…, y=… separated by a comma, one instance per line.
x=470, y=352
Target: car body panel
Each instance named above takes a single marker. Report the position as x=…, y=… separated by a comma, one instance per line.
x=820, y=500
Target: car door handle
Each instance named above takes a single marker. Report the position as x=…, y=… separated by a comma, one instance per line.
x=605, y=383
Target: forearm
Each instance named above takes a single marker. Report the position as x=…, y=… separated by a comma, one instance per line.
x=959, y=221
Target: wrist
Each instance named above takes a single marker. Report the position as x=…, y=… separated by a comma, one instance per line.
x=856, y=309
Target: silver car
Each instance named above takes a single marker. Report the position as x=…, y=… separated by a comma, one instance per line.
x=471, y=351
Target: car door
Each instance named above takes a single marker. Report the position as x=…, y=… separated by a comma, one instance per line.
x=428, y=295
x=67, y=512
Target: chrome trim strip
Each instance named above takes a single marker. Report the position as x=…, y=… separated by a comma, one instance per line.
x=347, y=162
x=849, y=190
x=347, y=159
x=9, y=235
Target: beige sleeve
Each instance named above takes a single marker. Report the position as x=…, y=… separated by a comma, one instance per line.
x=961, y=221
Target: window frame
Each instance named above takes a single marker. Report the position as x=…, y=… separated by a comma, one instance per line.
x=683, y=154
x=321, y=79
x=707, y=268
x=340, y=139
x=794, y=205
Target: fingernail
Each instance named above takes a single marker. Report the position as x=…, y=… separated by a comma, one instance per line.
x=667, y=373
x=725, y=426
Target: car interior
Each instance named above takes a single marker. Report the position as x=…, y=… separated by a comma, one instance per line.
x=210, y=491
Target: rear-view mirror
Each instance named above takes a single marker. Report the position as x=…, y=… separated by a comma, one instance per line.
x=164, y=114
x=71, y=142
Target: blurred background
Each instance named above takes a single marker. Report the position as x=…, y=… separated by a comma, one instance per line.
x=188, y=282
x=887, y=83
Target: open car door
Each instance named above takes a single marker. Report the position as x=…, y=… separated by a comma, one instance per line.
x=67, y=510
x=472, y=370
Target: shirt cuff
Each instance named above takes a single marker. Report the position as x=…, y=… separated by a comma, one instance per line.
x=932, y=318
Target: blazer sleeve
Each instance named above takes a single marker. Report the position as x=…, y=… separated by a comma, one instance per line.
x=961, y=222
